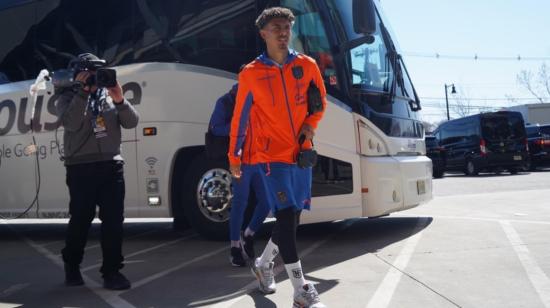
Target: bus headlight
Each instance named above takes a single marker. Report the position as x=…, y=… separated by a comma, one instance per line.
x=371, y=142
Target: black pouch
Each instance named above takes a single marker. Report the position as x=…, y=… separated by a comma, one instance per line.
x=306, y=158
x=216, y=146
x=314, y=101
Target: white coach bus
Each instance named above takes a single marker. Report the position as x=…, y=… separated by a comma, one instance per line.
x=174, y=58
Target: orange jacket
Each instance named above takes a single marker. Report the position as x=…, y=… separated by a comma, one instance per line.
x=271, y=108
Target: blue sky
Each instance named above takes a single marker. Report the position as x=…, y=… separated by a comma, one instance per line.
x=490, y=28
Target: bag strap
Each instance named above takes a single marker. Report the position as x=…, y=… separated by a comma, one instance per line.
x=302, y=139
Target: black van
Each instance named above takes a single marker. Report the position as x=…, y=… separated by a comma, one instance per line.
x=489, y=141
x=437, y=155
x=539, y=145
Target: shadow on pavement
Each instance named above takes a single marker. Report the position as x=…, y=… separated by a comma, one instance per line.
x=193, y=272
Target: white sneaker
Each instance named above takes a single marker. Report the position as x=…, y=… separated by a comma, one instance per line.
x=307, y=297
x=265, y=276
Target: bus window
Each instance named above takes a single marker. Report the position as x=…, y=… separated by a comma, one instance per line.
x=17, y=21
x=196, y=32
x=331, y=177
x=309, y=37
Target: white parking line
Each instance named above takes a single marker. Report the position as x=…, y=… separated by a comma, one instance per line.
x=138, y=235
x=175, y=268
x=51, y=243
x=109, y=297
x=144, y=251
x=9, y=305
x=536, y=275
x=13, y=289
x=385, y=290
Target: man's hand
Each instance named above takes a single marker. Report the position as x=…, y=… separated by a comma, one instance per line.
x=116, y=93
x=82, y=77
x=307, y=131
x=235, y=170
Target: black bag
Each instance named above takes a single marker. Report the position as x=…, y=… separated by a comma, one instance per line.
x=306, y=158
x=314, y=101
x=216, y=146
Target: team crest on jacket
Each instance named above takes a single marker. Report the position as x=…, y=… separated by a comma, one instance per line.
x=282, y=196
x=298, y=72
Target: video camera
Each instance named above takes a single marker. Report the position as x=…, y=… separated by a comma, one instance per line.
x=103, y=77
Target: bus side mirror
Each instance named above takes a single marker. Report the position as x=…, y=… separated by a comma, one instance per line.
x=364, y=17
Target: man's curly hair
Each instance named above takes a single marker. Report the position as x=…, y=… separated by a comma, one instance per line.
x=274, y=12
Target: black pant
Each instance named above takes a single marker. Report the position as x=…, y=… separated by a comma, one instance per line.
x=284, y=233
x=101, y=184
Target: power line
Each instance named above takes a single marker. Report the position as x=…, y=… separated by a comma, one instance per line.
x=465, y=106
x=488, y=99
x=469, y=84
x=472, y=85
x=475, y=57
x=450, y=104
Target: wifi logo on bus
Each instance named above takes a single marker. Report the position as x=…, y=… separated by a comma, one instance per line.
x=151, y=161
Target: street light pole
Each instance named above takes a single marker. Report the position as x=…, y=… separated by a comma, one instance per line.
x=453, y=91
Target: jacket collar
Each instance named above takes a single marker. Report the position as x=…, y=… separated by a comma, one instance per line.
x=292, y=54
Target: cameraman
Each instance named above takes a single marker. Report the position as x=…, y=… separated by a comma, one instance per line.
x=92, y=118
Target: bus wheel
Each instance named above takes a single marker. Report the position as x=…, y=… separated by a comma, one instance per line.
x=471, y=168
x=207, y=197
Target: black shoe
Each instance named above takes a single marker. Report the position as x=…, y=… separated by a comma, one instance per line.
x=73, y=276
x=237, y=257
x=248, y=247
x=115, y=281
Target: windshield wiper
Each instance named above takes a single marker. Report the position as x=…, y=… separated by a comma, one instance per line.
x=395, y=60
x=391, y=61
x=414, y=103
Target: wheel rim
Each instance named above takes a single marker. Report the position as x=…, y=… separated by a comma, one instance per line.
x=214, y=194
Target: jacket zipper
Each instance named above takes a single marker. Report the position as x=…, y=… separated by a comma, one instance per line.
x=250, y=143
x=286, y=99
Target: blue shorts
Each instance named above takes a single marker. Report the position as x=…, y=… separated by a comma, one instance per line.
x=287, y=185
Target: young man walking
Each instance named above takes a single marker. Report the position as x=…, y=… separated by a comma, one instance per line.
x=218, y=138
x=272, y=112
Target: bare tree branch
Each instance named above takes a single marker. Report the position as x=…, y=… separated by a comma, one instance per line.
x=524, y=78
x=463, y=105
x=544, y=78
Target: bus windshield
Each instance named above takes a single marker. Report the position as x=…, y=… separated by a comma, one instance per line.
x=377, y=77
x=367, y=71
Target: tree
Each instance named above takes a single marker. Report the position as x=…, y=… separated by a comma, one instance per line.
x=460, y=104
x=538, y=86
x=463, y=105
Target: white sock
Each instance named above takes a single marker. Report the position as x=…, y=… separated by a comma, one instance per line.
x=248, y=232
x=294, y=271
x=270, y=252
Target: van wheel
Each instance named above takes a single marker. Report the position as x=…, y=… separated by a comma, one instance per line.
x=471, y=168
x=206, y=195
x=437, y=173
x=513, y=170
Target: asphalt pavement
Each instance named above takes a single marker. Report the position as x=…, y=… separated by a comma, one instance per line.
x=481, y=242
